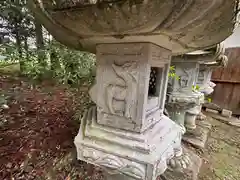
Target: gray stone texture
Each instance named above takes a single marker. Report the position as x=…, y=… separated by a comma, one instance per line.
x=198, y=137
x=126, y=133
x=190, y=173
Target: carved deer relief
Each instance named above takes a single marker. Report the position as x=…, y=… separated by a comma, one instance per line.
x=185, y=78
x=121, y=92
x=118, y=96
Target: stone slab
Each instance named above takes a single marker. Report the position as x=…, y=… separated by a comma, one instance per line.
x=212, y=106
x=212, y=111
x=191, y=173
x=226, y=113
x=231, y=121
x=198, y=137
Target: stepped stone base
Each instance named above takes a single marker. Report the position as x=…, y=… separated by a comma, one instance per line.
x=198, y=137
x=191, y=173
x=125, y=154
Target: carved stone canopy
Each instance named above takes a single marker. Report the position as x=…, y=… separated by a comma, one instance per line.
x=177, y=25
x=214, y=56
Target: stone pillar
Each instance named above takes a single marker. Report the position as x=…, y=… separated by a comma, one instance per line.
x=126, y=133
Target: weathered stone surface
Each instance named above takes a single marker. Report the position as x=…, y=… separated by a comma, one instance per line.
x=126, y=133
x=201, y=116
x=211, y=61
x=140, y=156
x=204, y=124
x=191, y=115
x=226, y=113
x=131, y=83
x=231, y=121
x=191, y=173
x=83, y=24
x=182, y=99
x=108, y=176
x=198, y=137
x=212, y=111
x=212, y=106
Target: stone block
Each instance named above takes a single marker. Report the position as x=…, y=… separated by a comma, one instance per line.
x=226, y=113
x=198, y=137
x=211, y=111
x=190, y=173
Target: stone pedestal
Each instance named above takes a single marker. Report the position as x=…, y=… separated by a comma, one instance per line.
x=198, y=137
x=126, y=133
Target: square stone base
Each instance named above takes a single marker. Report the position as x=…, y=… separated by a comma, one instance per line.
x=134, y=155
x=198, y=137
x=191, y=173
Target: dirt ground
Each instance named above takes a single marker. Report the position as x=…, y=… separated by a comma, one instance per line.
x=222, y=154
x=38, y=127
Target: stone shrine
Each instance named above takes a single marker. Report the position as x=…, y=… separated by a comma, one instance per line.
x=126, y=133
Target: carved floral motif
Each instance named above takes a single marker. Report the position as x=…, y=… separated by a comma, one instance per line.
x=113, y=163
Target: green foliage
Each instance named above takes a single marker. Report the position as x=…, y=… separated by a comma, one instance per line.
x=36, y=52
x=195, y=88
x=62, y=64
x=209, y=100
x=73, y=67
x=172, y=73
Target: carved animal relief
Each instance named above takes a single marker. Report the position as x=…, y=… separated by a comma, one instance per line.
x=121, y=92
x=186, y=78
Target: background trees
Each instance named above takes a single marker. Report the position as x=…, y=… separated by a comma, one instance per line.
x=26, y=43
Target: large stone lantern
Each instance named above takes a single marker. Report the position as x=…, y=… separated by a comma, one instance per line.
x=126, y=133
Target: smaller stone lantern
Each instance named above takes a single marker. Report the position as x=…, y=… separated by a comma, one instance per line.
x=182, y=99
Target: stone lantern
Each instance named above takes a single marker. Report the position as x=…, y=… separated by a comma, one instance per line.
x=126, y=133
x=215, y=59
x=183, y=100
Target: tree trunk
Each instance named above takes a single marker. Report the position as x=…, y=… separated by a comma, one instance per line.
x=20, y=53
x=40, y=43
x=55, y=63
x=26, y=48
x=19, y=46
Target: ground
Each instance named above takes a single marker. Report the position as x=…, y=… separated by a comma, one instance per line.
x=222, y=154
x=38, y=123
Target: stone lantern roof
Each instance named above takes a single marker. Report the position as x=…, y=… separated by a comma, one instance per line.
x=180, y=26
